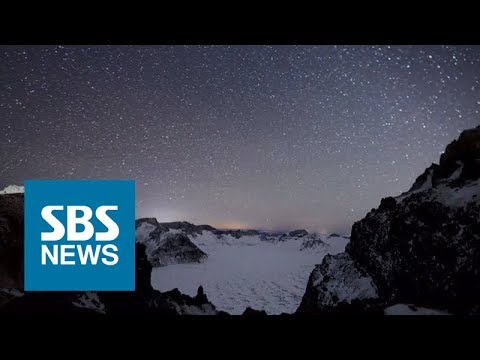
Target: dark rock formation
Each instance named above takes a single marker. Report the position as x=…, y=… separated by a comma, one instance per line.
x=465, y=150
x=311, y=243
x=165, y=247
x=201, y=296
x=335, y=235
x=422, y=247
x=11, y=241
x=143, y=301
x=298, y=233
x=294, y=235
x=173, y=249
x=337, y=281
x=252, y=312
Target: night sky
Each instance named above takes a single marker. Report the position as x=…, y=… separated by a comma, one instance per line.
x=269, y=137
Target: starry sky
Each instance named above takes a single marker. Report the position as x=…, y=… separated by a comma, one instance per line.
x=268, y=137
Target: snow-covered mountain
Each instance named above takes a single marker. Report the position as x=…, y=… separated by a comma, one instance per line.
x=422, y=247
x=242, y=268
x=166, y=246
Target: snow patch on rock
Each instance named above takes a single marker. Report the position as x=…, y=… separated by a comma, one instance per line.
x=13, y=189
x=89, y=300
x=338, y=280
x=204, y=309
x=142, y=233
x=458, y=197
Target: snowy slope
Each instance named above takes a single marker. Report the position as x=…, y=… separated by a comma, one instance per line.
x=444, y=192
x=421, y=247
x=249, y=271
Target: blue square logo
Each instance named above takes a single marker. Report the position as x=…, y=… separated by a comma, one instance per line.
x=79, y=235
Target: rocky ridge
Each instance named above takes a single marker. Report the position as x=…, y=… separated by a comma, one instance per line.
x=421, y=247
x=144, y=300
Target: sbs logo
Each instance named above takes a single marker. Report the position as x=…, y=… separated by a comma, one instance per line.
x=79, y=235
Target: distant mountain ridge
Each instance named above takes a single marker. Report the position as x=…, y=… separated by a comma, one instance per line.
x=192, y=229
x=171, y=243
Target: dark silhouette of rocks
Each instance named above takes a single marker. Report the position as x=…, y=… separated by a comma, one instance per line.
x=422, y=247
x=298, y=233
x=11, y=240
x=143, y=301
x=252, y=312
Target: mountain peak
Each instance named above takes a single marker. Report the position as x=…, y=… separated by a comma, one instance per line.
x=466, y=150
x=420, y=247
x=459, y=164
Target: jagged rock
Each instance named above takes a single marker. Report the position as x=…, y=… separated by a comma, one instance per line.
x=144, y=300
x=252, y=312
x=421, y=251
x=298, y=233
x=422, y=247
x=201, y=297
x=336, y=281
x=466, y=150
x=174, y=249
x=164, y=247
x=312, y=243
x=147, y=300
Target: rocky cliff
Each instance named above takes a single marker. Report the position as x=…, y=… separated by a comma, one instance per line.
x=422, y=247
x=169, y=245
